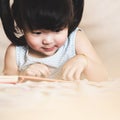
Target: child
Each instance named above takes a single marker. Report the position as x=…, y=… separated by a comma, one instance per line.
x=46, y=40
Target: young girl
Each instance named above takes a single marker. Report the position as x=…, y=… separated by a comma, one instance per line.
x=46, y=41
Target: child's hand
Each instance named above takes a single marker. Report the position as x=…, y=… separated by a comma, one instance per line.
x=73, y=68
x=36, y=69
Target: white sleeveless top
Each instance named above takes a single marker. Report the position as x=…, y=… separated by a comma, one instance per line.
x=55, y=61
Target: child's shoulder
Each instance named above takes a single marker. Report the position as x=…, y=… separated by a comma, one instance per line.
x=76, y=32
x=82, y=41
x=10, y=52
x=80, y=34
x=11, y=47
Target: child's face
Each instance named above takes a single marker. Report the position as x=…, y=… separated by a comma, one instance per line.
x=46, y=42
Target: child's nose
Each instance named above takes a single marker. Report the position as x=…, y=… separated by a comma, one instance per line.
x=48, y=39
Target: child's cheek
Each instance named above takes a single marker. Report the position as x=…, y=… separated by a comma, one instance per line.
x=61, y=43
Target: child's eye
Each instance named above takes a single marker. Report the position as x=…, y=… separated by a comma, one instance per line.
x=58, y=30
x=37, y=33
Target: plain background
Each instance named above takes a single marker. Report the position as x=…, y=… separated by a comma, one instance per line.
x=101, y=22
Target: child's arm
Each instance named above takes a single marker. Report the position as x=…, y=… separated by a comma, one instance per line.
x=95, y=69
x=86, y=62
x=10, y=66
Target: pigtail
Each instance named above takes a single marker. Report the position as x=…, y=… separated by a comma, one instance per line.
x=78, y=6
x=8, y=23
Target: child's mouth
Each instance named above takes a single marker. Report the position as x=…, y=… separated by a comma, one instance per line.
x=49, y=49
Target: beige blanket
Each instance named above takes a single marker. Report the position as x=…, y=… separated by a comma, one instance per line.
x=79, y=100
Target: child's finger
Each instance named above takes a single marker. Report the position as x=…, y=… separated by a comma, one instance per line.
x=77, y=74
x=67, y=74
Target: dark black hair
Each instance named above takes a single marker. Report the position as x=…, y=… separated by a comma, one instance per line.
x=39, y=14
